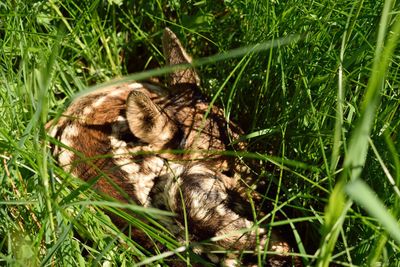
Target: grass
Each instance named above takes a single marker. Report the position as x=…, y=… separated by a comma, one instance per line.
x=318, y=99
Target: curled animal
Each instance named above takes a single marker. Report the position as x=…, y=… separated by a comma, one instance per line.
x=161, y=147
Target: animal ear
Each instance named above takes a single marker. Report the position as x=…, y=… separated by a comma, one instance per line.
x=147, y=122
x=175, y=54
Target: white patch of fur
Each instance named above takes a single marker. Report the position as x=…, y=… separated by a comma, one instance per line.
x=87, y=110
x=143, y=185
x=121, y=119
x=53, y=131
x=117, y=92
x=221, y=210
x=229, y=263
x=127, y=165
x=118, y=146
x=70, y=131
x=100, y=101
x=196, y=204
x=121, y=156
x=166, y=135
x=135, y=86
x=199, y=207
x=66, y=155
x=142, y=182
x=262, y=231
x=212, y=185
x=280, y=247
x=248, y=224
x=154, y=164
x=65, y=158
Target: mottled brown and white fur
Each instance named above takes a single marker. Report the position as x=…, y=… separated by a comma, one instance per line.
x=159, y=147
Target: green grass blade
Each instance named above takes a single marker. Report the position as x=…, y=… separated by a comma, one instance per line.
x=358, y=144
x=362, y=194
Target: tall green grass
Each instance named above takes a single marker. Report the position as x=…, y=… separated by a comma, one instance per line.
x=315, y=86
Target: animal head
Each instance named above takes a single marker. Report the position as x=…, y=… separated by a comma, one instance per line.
x=174, y=117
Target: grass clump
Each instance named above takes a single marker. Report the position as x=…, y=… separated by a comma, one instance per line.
x=319, y=108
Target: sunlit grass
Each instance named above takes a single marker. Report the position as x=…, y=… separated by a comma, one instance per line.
x=314, y=85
